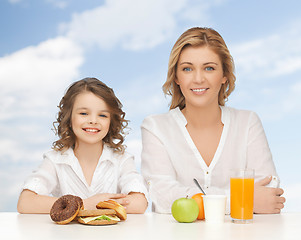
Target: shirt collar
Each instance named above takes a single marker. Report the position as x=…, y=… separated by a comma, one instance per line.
x=69, y=158
x=180, y=118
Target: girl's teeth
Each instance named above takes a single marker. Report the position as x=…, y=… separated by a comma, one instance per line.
x=91, y=130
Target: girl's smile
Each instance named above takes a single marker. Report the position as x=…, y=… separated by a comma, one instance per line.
x=91, y=130
x=90, y=119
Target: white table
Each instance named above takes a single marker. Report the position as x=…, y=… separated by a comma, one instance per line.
x=150, y=226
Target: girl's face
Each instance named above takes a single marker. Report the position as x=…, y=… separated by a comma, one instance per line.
x=200, y=76
x=90, y=119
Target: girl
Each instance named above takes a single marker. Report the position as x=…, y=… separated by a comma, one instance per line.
x=200, y=137
x=89, y=159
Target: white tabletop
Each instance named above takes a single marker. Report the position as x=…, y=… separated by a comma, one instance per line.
x=151, y=226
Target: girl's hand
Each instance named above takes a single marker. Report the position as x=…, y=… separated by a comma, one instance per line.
x=134, y=202
x=267, y=200
x=91, y=202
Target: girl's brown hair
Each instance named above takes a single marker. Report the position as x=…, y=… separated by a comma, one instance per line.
x=199, y=37
x=62, y=126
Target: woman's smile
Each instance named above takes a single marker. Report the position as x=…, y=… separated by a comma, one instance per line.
x=199, y=91
x=200, y=76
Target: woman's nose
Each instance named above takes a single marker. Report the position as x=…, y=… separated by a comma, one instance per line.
x=199, y=76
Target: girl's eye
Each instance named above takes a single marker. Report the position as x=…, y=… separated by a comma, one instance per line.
x=103, y=115
x=187, y=69
x=83, y=113
x=209, y=68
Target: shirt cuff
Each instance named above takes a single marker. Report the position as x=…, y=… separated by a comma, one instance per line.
x=34, y=185
x=135, y=186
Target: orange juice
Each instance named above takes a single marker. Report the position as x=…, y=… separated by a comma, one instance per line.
x=242, y=198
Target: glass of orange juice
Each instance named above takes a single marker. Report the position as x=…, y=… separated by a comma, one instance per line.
x=242, y=195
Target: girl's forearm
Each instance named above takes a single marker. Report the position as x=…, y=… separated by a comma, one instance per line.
x=30, y=202
x=137, y=203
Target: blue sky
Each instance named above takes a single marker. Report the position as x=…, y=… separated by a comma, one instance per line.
x=47, y=44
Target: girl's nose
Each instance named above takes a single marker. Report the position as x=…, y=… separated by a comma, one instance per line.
x=92, y=120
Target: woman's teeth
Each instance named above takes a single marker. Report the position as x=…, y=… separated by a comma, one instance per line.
x=199, y=89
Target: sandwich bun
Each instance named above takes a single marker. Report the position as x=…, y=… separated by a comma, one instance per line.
x=97, y=222
x=98, y=217
x=110, y=204
x=95, y=212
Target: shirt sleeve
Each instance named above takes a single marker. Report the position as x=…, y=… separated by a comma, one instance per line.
x=259, y=156
x=159, y=172
x=44, y=180
x=130, y=180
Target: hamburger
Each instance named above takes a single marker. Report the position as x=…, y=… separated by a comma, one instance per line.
x=107, y=213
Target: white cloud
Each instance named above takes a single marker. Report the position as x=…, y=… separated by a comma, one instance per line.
x=11, y=180
x=32, y=82
x=133, y=24
x=271, y=56
x=292, y=103
x=134, y=146
x=32, y=78
x=280, y=102
x=268, y=72
x=151, y=98
x=14, y=1
x=58, y=3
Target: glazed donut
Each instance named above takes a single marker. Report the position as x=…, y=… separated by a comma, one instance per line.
x=65, y=209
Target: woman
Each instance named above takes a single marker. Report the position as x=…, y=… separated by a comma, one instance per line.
x=200, y=137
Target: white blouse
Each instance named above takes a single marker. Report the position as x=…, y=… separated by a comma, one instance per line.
x=60, y=174
x=170, y=159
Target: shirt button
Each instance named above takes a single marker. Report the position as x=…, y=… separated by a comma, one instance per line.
x=207, y=172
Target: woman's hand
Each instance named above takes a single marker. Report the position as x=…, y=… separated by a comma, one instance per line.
x=267, y=200
x=91, y=202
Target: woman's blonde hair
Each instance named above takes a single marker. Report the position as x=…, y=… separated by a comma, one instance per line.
x=199, y=37
x=62, y=126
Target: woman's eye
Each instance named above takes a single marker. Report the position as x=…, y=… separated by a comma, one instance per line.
x=209, y=68
x=187, y=69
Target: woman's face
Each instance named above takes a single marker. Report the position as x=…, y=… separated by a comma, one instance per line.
x=200, y=76
x=90, y=119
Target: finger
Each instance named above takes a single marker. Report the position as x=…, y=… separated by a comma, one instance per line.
x=279, y=191
x=123, y=201
x=117, y=195
x=281, y=200
x=279, y=206
x=264, y=181
x=276, y=210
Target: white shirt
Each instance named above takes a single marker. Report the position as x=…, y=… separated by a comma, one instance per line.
x=60, y=174
x=170, y=159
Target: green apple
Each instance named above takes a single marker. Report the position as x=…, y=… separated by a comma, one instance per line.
x=185, y=210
